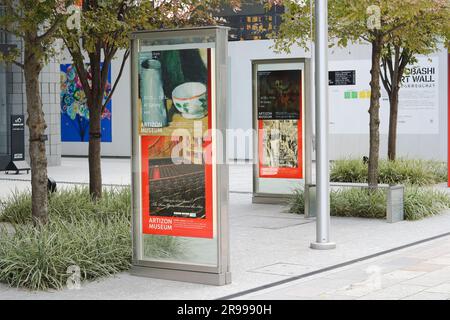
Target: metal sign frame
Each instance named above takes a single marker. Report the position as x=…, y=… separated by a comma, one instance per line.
x=308, y=116
x=17, y=137
x=216, y=38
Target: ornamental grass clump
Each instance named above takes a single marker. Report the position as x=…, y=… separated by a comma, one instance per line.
x=39, y=258
x=419, y=202
x=94, y=236
x=354, y=202
x=70, y=204
x=401, y=171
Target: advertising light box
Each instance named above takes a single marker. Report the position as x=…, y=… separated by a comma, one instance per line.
x=180, y=186
x=176, y=95
x=280, y=100
x=279, y=107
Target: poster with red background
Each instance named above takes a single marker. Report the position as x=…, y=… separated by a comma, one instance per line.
x=177, y=186
x=280, y=126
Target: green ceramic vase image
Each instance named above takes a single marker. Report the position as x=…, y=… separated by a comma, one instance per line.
x=154, y=113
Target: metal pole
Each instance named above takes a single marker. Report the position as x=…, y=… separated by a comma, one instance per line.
x=322, y=161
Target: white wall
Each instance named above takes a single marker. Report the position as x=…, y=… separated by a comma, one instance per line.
x=412, y=145
x=240, y=89
x=427, y=146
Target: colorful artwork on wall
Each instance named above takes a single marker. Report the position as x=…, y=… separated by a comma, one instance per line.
x=74, y=109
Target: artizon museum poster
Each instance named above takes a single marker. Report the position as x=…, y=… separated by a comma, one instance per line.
x=175, y=96
x=280, y=124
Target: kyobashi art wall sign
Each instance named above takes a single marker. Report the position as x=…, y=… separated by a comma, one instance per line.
x=75, y=111
x=279, y=108
x=418, y=98
x=175, y=111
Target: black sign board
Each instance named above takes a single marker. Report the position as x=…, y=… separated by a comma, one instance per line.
x=342, y=78
x=253, y=21
x=279, y=95
x=17, y=137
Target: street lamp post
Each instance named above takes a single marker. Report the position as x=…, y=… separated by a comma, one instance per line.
x=322, y=161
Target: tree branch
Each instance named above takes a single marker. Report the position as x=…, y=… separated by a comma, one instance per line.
x=50, y=31
x=78, y=61
x=20, y=65
x=394, y=28
x=396, y=76
x=406, y=57
x=384, y=76
x=122, y=67
x=389, y=61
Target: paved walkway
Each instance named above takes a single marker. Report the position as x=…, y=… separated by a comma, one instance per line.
x=267, y=244
x=421, y=272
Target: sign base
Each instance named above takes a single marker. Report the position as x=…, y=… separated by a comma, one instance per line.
x=270, y=198
x=323, y=246
x=214, y=279
x=18, y=166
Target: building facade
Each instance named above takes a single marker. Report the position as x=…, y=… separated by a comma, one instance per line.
x=13, y=102
x=423, y=109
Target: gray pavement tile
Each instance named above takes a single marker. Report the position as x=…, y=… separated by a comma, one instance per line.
x=430, y=252
x=357, y=290
x=328, y=296
x=352, y=274
x=424, y=295
x=397, y=276
x=275, y=296
x=425, y=267
x=444, y=260
x=369, y=297
x=284, y=269
x=431, y=279
x=307, y=289
x=442, y=288
x=397, y=263
x=397, y=291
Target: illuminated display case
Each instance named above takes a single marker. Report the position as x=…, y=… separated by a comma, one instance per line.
x=180, y=181
x=282, y=119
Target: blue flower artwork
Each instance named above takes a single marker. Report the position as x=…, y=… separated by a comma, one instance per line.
x=74, y=109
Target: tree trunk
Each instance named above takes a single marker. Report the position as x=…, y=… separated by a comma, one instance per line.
x=393, y=115
x=36, y=124
x=374, y=110
x=95, y=165
x=397, y=67
x=95, y=130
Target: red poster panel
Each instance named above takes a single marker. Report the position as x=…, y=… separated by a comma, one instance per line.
x=176, y=197
x=177, y=170
x=280, y=125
